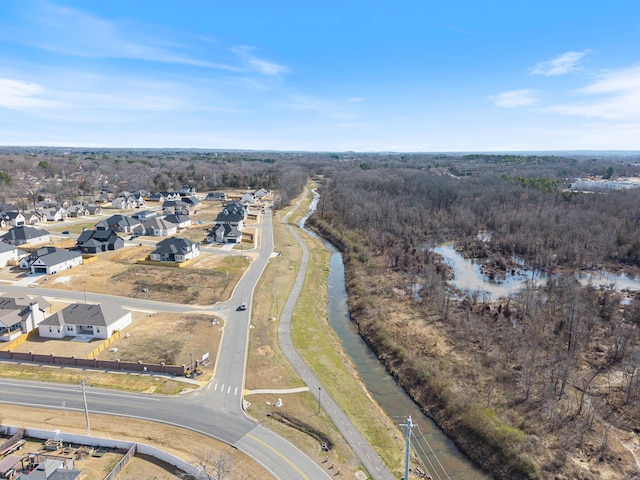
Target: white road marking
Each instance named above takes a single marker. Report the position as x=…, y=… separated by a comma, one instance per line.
x=235, y=392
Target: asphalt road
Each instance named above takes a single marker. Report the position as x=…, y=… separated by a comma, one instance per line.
x=215, y=410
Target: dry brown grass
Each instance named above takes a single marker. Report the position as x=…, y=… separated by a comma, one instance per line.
x=182, y=443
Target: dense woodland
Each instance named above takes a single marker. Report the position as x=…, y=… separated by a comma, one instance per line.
x=541, y=385
x=545, y=384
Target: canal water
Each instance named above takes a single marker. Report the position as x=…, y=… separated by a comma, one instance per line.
x=440, y=457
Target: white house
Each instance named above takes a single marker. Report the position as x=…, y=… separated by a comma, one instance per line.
x=121, y=202
x=181, y=221
x=159, y=227
x=99, y=321
x=9, y=253
x=13, y=218
x=51, y=260
x=24, y=235
x=20, y=315
x=53, y=214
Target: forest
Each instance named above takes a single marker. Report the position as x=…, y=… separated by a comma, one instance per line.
x=542, y=384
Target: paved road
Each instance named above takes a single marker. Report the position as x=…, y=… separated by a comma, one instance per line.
x=216, y=409
x=371, y=461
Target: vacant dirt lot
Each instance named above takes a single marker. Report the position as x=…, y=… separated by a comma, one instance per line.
x=206, y=280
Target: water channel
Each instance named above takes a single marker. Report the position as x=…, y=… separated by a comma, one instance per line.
x=439, y=455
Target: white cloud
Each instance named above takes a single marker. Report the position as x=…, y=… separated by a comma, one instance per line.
x=614, y=96
x=562, y=64
x=18, y=94
x=355, y=99
x=516, y=98
x=74, y=32
x=255, y=63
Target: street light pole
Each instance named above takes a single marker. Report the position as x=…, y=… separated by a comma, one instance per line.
x=86, y=410
x=319, y=393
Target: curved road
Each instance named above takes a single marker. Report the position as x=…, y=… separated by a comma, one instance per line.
x=215, y=410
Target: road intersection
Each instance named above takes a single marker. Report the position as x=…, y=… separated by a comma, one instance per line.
x=216, y=409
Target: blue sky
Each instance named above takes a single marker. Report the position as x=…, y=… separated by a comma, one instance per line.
x=325, y=76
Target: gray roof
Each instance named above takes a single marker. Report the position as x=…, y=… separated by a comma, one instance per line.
x=158, y=223
x=101, y=315
x=23, y=233
x=53, y=256
x=174, y=245
x=176, y=218
x=5, y=247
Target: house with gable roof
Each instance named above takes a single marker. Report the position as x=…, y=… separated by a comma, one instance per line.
x=157, y=226
x=51, y=260
x=175, y=249
x=20, y=315
x=25, y=235
x=14, y=218
x=224, y=233
x=95, y=241
x=9, y=253
x=119, y=223
x=99, y=321
x=181, y=221
x=51, y=469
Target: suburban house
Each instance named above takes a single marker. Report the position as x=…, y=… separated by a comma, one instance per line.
x=122, y=202
x=95, y=241
x=119, y=223
x=177, y=207
x=187, y=190
x=20, y=315
x=159, y=227
x=75, y=211
x=51, y=469
x=192, y=201
x=247, y=199
x=9, y=253
x=260, y=194
x=181, y=221
x=224, y=233
x=140, y=203
x=156, y=197
x=231, y=217
x=53, y=214
x=171, y=195
x=51, y=260
x=99, y=321
x=13, y=218
x=175, y=249
x=236, y=207
x=25, y=235
x=94, y=209
x=144, y=215
x=216, y=196
x=31, y=218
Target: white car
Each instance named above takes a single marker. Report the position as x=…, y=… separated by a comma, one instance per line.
x=243, y=306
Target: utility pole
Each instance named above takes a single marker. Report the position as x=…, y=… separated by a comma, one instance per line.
x=319, y=393
x=86, y=410
x=409, y=425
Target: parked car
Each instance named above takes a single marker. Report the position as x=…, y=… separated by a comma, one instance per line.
x=66, y=232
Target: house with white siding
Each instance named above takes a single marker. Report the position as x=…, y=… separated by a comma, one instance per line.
x=98, y=321
x=51, y=260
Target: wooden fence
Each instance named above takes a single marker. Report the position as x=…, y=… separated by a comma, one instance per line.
x=116, y=336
